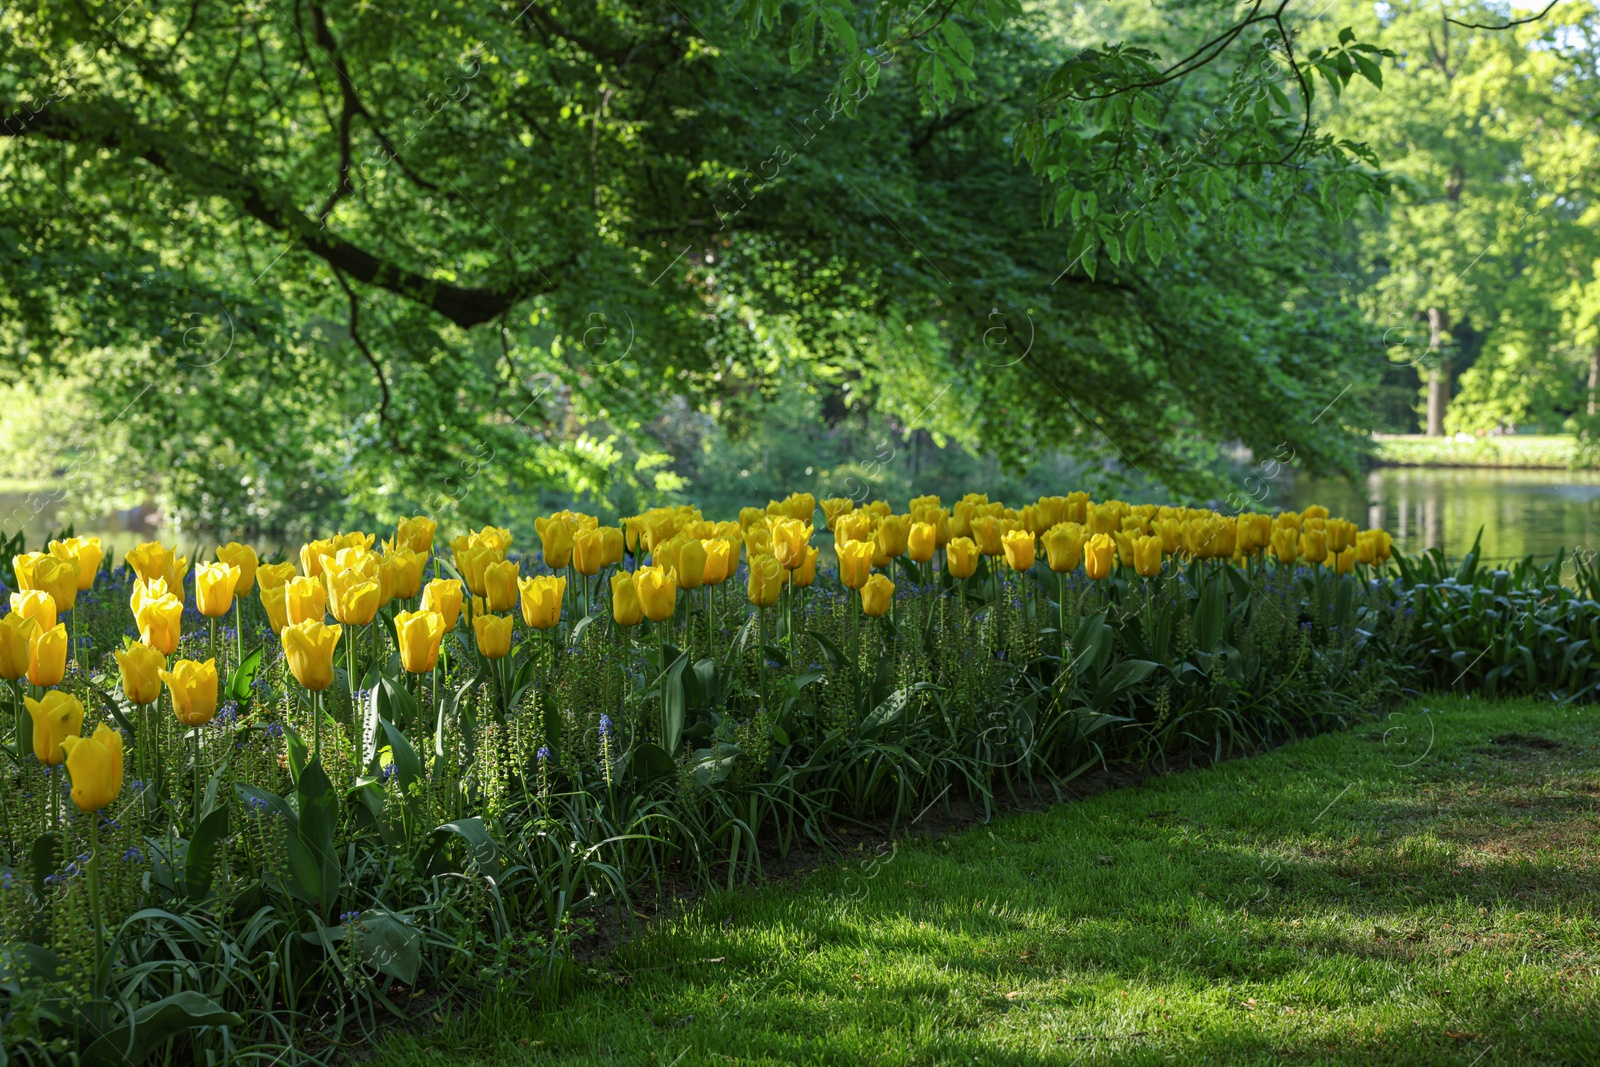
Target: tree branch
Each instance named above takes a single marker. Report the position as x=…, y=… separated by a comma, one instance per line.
x=465, y=306
x=1506, y=26
x=377, y=368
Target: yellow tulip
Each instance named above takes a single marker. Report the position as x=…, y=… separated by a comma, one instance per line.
x=1255, y=532
x=766, y=580
x=407, y=574
x=494, y=634
x=1063, y=546
x=193, y=686
x=892, y=536
x=1285, y=544
x=159, y=623
x=95, y=764
x=720, y=556
x=1313, y=546
x=85, y=553
x=961, y=517
x=275, y=599
x=1124, y=547
x=541, y=600
x=1106, y=517
x=691, y=564
x=305, y=600
x=352, y=597
x=665, y=553
x=836, y=506
x=37, y=605
x=749, y=517
x=274, y=575
x=611, y=546
x=500, y=585
x=16, y=633
x=1342, y=562
x=1019, y=548
x=921, y=541
x=416, y=534
x=58, y=577
x=961, y=557
x=855, y=526
x=790, y=539
x=555, y=540
x=419, y=634
x=141, y=667
x=47, y=656
x=876, y=596
x=150, y=560
x=56, y=717
x=625, y=606
x=1098, y=555
x=472, y=561
x=989, y=532
x=311, y=555
x=308, y=645
x=658, y=592
x=444, y=596
x=1147, y=555
x=588, y=551
x=1341, y=534
x=802, y=576
x=214, y=585
x=855, y=562
x=244, y=558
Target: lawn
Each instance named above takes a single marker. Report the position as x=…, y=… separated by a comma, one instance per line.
x=1418, y=890
x=1525, y=451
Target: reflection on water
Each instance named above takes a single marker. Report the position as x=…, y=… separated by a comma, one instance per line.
x=1521, y=512
x=46, y=512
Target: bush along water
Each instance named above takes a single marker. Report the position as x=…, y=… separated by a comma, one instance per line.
x=270, y=805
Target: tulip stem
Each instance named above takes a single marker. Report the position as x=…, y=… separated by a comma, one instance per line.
x=20, y=710
x=194, y=800
x=213, y=620
x=350, y=671
x=238, y=632
x=96, y=984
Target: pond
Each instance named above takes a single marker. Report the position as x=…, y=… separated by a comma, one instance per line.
x=1519, y=511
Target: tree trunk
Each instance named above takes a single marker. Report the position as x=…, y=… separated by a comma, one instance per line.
x=1439, y=376
x=1594, y=376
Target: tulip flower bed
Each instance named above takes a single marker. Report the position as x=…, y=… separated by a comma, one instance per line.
x=231, y=825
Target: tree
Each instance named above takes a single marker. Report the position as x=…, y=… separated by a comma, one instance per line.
x=1490, y=234
x=316, y=258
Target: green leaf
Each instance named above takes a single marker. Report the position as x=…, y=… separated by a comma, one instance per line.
x=1210, y=616
x=388, y=944
x=958, y=39
x=1369, y=70
x=841, y=30
x=200, y=861
x=243, y=675
x=153, y=1025
x=485, y=853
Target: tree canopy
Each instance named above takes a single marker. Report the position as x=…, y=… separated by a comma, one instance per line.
x=293, y=258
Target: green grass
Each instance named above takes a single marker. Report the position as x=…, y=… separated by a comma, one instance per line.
x=1408, y=892
x=1526, y=451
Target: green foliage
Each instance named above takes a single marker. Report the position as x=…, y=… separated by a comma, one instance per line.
x=316, y=262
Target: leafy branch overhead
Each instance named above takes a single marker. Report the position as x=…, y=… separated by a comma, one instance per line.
x=1135, y=152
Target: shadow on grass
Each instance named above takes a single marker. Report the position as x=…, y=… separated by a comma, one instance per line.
x=1319, y=905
